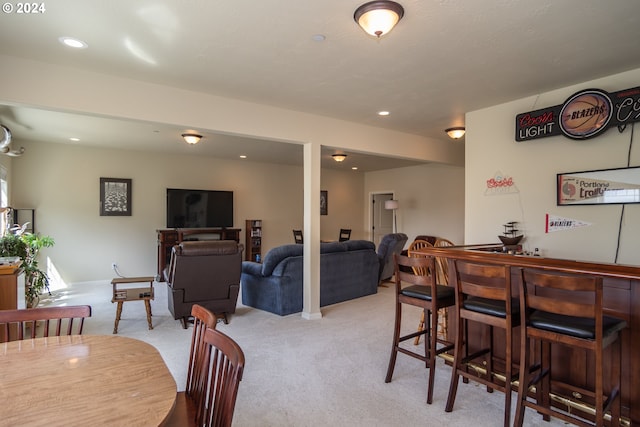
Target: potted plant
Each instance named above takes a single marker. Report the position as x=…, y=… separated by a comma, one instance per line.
x=27, y=246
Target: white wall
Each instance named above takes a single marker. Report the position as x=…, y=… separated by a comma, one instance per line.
x=345, y=204
x=431, y=199
x=61, y=182
x=533, y=165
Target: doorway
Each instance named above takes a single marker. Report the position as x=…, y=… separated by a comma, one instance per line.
x=381, y=218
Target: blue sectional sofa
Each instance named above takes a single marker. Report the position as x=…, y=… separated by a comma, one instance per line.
x=347, y=270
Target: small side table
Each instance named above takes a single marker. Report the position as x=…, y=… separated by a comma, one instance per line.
x=122, y=293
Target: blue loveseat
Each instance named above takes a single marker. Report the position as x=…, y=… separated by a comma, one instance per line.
x=347, y=270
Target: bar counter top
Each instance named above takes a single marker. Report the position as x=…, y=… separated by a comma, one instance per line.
x=492, y=253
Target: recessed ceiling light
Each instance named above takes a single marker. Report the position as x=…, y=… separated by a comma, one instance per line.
x=242, y=156
x=383, y=113
x=355, y=168
x=319, y=37
x=74, y=139
x=71, y=42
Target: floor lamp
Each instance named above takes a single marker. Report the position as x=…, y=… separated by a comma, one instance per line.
x=392, y=205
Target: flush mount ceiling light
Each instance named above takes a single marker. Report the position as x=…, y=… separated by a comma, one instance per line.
x=191, y=138
x=455, y=132
x=378, y=17
x=339, y=157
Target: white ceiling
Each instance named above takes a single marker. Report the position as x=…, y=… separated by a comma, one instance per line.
x=445, y=58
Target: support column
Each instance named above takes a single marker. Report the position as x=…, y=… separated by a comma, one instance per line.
x=311, y=232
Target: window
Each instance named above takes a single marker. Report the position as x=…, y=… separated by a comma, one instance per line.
x=4, y=199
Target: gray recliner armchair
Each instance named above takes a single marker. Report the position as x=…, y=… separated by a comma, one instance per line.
x=206, y=273
x=389, y=245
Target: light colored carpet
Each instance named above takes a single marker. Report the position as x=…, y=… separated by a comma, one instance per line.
x=309, y=372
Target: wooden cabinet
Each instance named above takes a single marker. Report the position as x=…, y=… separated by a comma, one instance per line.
x=253, y=240
x=11, y=294
x=167, y=239
x=12, y=291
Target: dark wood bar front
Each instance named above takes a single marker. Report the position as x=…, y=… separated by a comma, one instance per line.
x=571, y=367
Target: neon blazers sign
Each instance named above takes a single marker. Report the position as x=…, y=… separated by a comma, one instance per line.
x=585, y=114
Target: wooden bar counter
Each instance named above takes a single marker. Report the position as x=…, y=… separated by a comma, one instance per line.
x=570, y=366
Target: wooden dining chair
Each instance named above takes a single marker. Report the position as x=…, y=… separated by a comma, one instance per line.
x=224, y=366
x=215, y=369
x=483, y=296
x=187, y=401
x=416, y=245
x=38, y=322
x=421, y=291
x=442, y=276
x=345, y=234
x=442, y=273
x=297, y=236
x=561, y=309
x=442, y=264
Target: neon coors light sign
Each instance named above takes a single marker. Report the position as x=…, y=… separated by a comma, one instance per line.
x=583, y=115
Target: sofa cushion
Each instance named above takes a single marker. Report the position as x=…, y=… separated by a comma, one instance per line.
x=253, y=268
x=330, y=247
x=275, y=255
x=356, y=245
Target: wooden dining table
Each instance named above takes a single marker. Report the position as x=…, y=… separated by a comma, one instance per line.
x=84, y=380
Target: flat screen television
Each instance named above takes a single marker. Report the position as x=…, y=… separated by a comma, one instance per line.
x=199, y=208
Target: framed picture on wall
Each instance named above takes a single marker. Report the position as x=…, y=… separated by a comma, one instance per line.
x=599, y=187
x=115, y=197
x=323, y=202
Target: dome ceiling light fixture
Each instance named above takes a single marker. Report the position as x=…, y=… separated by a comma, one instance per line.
x=377, y=18
x=191, y=138
x=455, y=132
x=339, y=157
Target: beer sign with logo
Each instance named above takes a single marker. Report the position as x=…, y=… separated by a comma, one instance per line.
x=584, y=115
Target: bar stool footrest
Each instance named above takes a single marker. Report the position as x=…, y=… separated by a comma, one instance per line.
x=475, y=355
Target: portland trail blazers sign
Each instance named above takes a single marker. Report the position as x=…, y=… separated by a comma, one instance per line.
x=584, y=115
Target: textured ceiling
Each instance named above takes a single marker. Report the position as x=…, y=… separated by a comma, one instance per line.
x=443, y=59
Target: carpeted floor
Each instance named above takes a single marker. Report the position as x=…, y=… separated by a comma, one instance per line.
x=309, y=372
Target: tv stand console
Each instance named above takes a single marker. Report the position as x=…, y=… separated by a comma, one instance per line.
x=167, y=239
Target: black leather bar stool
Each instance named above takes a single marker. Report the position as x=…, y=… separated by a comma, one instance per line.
x=567, y=310
x=483, y=295
x=420, y=290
